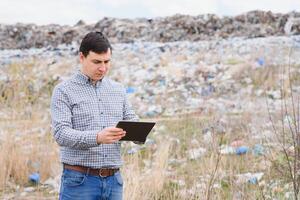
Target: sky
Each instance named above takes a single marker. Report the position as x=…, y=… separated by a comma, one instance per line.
x=69, y=12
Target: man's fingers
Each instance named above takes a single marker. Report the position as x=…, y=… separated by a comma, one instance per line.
x=114, y=129
x=117, y=133
x=115, y=137
x=112, y=134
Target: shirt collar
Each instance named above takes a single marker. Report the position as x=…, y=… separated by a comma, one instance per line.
x=82, y=78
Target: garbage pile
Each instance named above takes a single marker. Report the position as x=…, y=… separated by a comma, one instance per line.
x=172, y=78
x=165, y=79
x=161, y=29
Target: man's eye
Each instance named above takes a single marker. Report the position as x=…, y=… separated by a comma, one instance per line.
x=106, y=61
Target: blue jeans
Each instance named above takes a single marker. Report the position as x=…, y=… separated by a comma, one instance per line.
x=77, y=185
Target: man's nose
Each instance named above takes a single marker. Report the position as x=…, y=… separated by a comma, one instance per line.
x=102, y=67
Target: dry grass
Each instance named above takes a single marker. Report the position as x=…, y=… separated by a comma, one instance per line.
x=27, y=145
x=141, y=183
x=198, y=173
x=162, y=170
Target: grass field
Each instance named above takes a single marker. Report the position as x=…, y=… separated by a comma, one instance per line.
x=182, y=159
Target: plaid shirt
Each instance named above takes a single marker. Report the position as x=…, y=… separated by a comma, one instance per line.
x=79, y=110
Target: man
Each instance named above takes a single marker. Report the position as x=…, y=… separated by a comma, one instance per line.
x=84, y=111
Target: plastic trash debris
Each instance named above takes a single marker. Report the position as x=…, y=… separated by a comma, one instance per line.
x=132, y=151
x=162, y=82
x=130, y=90
x=227, y=150
x=53, y=183
x=208, y=90
x=242, y=150
x=220, y=129
x=151, y=113
x=261, y=61
x=35, y=165
x=291, y=150
x=205, y=130
x=252, y=178
x=138, y=142
x=176, y=141
x=274, y=94
x=196, y=153
x=207, y=137
x=288, y=119
x=255, y=178
x=29, y=189
x=174, y=161
x=149, y=142
x=237, y=143
x=135, y=149
x=34, y=178
x=179, y=182
x=258, y=150
x=195, y=142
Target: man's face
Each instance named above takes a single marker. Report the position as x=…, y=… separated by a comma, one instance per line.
x=95, y=65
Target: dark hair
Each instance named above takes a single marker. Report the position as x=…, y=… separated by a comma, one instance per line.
x=96, y=42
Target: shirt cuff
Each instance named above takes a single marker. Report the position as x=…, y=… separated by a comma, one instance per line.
x=91, y=138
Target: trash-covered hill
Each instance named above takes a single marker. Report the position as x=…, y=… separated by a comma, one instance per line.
x=161, y=29
x=164, y=79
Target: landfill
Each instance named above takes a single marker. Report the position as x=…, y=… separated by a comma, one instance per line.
x=173, y=67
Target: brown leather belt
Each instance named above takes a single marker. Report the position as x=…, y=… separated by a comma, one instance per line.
x=103, y=172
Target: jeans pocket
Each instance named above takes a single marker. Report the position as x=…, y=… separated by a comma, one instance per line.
x=73, y=178
x=119, y=178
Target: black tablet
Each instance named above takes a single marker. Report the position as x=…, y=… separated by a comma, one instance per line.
x=135, y=131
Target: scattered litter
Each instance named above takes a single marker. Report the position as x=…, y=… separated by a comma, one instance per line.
x=258, y=150
x=242, y=150
x=130, y=90
x=252, y=178
x=196, y=153
x=29, y=189
x=133, y=150
x=149, y=142
x=261, y=61
x=54, y=183
x=34, y=178
x=227, y=150
x=237, y=143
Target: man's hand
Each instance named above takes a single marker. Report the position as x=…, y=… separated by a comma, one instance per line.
x=110, y=135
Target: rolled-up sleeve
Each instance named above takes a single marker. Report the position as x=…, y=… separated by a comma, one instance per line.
x=64, y=134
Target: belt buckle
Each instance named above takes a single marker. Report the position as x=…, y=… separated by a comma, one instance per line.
x=100, y=171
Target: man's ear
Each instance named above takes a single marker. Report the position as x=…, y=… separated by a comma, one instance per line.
x=81, y=57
